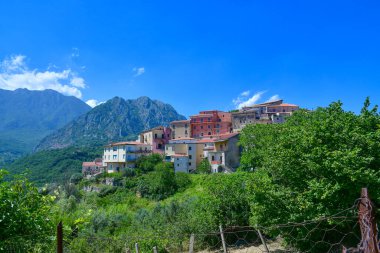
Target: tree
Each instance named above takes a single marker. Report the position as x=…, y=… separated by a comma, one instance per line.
x=147, y=163
x=204, y=167
x=24, y=215
x=312, y=166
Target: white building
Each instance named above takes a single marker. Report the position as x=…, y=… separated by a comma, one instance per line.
x=117, y=156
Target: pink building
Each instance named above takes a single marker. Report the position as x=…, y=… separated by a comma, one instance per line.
x=210, y=123
x=157, y=137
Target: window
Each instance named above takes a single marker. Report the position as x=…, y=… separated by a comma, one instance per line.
x=212, y=158
x=190, y=156
x=114, y=148
x=195, y=127
x=209, y=133
x=189, y=164
x=201, y=127
x=201, y=120
x=209, y=119
x=155, y=136
x=190, y=147
x=124, y=156
x=177, y=164
x=173, y=126
x=208, y=126
x=185, y=125
x=185, y=131
x=114, y=157
x=201, y=134
x=123, y=147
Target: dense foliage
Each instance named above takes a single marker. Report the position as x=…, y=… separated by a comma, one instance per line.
x=54, y=166
x=24, y=216
x=312, y=166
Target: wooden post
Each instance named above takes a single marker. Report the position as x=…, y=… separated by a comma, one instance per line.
x=137, y=247
x=263, y=241
x=59, y=238
x=223, y=241
x=191, y=245
x=368, y=226
x=154, y=249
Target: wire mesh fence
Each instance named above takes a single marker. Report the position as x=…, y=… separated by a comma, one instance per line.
x=351, y=230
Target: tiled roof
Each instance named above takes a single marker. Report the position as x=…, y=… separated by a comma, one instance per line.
x=127, y=143
x=180, y=121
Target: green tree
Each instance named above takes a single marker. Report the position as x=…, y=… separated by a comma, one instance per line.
x=204, y=167
x=312, y=166
x=24, y=215
x=147, y=163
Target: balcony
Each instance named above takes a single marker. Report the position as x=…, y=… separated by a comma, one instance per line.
x=138, y=151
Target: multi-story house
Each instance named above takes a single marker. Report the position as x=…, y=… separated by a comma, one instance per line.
x=121, y=155
x=210, y=123
x=92, y=168
x=185, y=154
x=222, y=152
x=265, y=113
x=180, y=129
x=156, y=137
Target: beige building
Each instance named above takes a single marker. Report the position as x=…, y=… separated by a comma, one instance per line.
x=120, y=155
x=180, y=129
x=185, y=154
x=156, y=137
x=265, y=113
x=222, y=152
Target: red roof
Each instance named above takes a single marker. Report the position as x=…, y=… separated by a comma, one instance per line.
x=180, y=121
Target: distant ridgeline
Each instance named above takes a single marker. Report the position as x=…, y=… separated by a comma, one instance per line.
x=61, y=151
x=117, y=119
x=28, y=116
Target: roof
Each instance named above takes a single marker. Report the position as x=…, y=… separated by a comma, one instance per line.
x=179, y=155
x=267, y=103
x=90, y=164
x=217, y=138
x=180, y=121
x=154, y=128
x=283, y=105
x=202, y=115
x=127, y=143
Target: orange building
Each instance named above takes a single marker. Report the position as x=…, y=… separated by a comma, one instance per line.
x=209, y=123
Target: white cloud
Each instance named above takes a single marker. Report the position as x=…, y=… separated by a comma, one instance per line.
x=138, y=71
x=94, y=102
x=78, y=82
x=241, y=102
x=273, y=98
x=15, y=74
x=245, y=93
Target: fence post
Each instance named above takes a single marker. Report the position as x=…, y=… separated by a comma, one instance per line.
x=59, y=238
x=137, y=247
x=191, y=245
x=154, y=249
x=368, y=228
x=223, y=241
x=263, y=241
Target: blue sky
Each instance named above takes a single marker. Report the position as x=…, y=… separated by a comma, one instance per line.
x=195, y=55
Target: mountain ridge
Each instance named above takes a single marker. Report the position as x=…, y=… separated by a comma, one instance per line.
x=117, y=119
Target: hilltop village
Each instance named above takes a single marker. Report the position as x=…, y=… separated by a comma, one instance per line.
x=210, y=135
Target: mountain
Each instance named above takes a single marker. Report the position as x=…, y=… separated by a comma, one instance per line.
x=28, y=116
x=117, y=119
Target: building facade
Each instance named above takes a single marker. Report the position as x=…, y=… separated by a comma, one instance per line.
x=265, y=113
x=180, y=129
x=92, y=168
x=185, y=154
x=120, y=155
x=157, y=138
x=210, y=123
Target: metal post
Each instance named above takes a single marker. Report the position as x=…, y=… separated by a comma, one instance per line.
x=137, y=247
x=191, y=246
x=59, y=238
x=223, y=241
x=368, y=228
x=263, y=241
